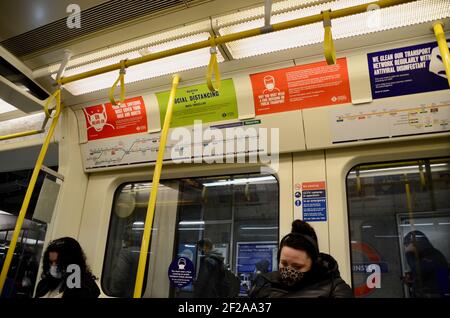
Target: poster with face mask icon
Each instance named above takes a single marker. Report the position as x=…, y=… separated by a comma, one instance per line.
x=107, y=120
x=302, y=86
x=407, y=70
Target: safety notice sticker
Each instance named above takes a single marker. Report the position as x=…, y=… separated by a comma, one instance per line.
x=314, y=201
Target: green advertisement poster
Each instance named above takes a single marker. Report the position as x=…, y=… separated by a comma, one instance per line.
x=198, y=103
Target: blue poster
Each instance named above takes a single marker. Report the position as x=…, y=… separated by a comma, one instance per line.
x=181, y=272
x=407, y=70
x=189, y=251
x=314, y=205
x=251, y=257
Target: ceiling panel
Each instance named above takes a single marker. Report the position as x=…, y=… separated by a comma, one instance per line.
x=94, y=18
x=20, y=16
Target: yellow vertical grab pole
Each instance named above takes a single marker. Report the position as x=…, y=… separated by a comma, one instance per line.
x=23, y=210
x=154, y=192
x=443, y=47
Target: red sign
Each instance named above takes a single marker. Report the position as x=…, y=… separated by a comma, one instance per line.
x=317, y=185
x=299, y=87
x=106, y=120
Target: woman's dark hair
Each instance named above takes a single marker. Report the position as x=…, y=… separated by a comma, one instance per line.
x=302, y=237
x=69, y=252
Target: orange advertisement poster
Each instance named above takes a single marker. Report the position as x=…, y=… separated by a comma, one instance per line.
x=107, y=120
x=299, y=87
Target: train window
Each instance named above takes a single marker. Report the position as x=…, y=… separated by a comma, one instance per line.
x=22, y=274
x=399, y=222
x=238, y=214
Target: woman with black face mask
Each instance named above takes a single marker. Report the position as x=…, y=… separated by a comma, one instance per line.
x=303, y=271
x=65, y=272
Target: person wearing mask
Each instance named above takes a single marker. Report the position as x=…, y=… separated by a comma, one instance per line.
x=57, y=280
x=303, y=271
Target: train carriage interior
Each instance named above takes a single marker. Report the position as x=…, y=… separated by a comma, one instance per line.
x=144, y=128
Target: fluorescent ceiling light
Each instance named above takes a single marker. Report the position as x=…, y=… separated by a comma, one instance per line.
x=259, y=228
x=238, y=181
x=191, y=222
x=135, y=45
x=134, y=49
x=5, y=107
x=259, y=12
x=410, y=169
x=364, y=23
x=5, y=213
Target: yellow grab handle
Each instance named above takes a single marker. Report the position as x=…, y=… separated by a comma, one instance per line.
x=213, y=67
x=443, y=47
x=328, y=43
x=31, y=185
x=154, y=192
x=120, y=79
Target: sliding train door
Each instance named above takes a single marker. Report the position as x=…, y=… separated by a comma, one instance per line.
x=242, y=209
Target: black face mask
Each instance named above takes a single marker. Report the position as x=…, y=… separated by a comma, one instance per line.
x=291, y=276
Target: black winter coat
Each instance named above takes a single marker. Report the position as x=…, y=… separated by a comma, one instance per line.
x=322, y=281
x=88, y=289
x=209, y=283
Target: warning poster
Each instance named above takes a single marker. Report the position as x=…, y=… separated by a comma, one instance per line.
x=106, y=120
x=299, y=87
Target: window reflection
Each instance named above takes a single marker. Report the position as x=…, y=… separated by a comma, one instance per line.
x=399, y=218
x=227, y=210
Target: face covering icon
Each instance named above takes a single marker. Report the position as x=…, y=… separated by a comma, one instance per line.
x=54, y=271
x=269, y=82
x=97, y=118
x=436, y=64
x=181, y=263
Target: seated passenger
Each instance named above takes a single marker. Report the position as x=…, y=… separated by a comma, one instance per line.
x=303, y=271
x=58, y=280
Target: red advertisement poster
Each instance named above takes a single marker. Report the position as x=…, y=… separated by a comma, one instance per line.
x=299, y=87
x=106, y=120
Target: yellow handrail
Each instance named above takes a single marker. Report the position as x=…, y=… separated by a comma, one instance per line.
x=21, y=134
x=154, y=192
x=234, y=37
x=31, y=185
x=443, y=47
x=37, y=131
